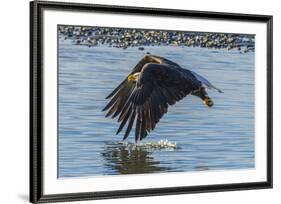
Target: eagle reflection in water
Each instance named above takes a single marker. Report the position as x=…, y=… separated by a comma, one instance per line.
x=125, y=159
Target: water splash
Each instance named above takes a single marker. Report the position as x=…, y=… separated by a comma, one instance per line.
x=162, y=144
x=154, y=145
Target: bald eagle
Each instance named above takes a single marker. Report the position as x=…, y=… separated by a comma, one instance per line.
x=145, y=94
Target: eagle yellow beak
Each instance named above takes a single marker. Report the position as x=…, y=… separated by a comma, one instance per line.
x=208, y=102
x=131, y=77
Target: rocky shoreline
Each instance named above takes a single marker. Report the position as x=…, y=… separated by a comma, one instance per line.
x=124, y=38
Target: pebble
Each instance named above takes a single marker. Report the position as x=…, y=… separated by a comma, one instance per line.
x=124, y=38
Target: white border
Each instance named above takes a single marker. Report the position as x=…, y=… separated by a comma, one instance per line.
x=52, y=185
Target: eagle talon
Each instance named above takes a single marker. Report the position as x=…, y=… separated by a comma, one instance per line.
x=133, y=77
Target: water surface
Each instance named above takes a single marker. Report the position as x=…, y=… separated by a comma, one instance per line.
x=217, y=138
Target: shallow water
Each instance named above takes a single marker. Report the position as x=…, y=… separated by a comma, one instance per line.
x=217, y=138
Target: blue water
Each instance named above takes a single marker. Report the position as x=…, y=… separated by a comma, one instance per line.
x=217, y=138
